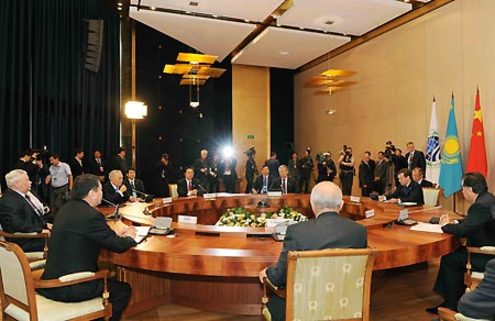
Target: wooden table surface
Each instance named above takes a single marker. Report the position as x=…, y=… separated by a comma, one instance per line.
x=236, y=255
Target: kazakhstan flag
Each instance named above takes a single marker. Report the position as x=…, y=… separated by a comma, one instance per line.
x=451, y=163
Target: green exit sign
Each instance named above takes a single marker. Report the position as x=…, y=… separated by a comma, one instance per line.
x=250, y=136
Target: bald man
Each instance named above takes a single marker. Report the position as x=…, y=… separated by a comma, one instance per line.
x=327, y=230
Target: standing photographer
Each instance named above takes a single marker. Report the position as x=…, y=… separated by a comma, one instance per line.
x=294, y=170
x=251, y=169
x=306, y=168
x=346, y=165
x=326, y=167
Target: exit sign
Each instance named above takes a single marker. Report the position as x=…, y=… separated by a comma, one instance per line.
x=250, y=136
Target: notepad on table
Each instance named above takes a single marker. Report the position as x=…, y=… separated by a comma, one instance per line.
x=427, y=227
x=141, y=233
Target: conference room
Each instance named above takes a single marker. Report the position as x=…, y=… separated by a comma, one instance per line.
x=247, y=160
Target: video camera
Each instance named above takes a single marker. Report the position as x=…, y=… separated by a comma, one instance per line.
x=323, y=157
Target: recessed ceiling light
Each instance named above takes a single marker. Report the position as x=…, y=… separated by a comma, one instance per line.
x=331, y=112
x=153, y=8
x=302, y=28
x=247, y=20
x=283, y=52
x=193, y=3
x=329, y=22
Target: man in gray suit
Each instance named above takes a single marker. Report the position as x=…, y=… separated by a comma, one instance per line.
x=327, y=230
x=480, y=303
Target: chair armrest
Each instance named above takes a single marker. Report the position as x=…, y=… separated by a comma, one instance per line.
x=446, y=314
x=71, y=279
x=487, y=250
x=33, y=235
x=268, y=285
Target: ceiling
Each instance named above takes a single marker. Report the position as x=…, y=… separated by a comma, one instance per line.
x=265, y=32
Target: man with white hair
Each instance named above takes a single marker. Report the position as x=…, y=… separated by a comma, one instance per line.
x=114, y=190
x=327, y=230
x=21, y=211
x=284, y=182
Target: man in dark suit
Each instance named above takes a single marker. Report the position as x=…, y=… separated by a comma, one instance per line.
x=227, y=171
x=415, y=158
x=114, y=190
x=263, y=182
x=284, y=183
x=26, y=163
x=273, y=164
x=21, y=211
x=75, y=243
x=95, y=165
x=408, y=191
x=479, y=230
x=134, y=185
x=202, y=169
x=251, y=169
x=118, y=161
x=367, y=174
x=380, y=180
x=76, y=164
x=417, y=175
x=479, y=303
x=189, y=186
x=327, y=230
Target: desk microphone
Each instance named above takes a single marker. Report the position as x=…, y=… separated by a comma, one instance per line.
x=115, y=215
x=147, y=197
x=202, y=188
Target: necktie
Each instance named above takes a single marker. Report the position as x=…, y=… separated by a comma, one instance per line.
x=33, y=206
x=132, y=184
x=284, y=187
x=265, y=184
x=410, y=159
x=189, y=186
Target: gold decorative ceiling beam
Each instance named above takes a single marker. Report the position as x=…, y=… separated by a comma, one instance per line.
x=196, y=58
x=193, y=82
x=179, y=69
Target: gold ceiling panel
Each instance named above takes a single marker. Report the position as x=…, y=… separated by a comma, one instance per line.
x=337, y=73
x=210, y=71
x=190, y=76
x=328, y=91
x=196, y=58
x=187, y=82
x=179, y=69
x=322, y=81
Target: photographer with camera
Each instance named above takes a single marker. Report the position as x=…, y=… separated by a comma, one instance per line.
x=294, y=170
x=326, y=167
x=305, y=168
x=251, y=169
x=346, y=165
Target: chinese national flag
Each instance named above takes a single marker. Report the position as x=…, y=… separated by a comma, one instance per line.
x=477, y=152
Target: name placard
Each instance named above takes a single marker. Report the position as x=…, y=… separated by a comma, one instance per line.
x=355, y=199
x=369, y=213
x=274, y=194
x=167, y=200
x=187, y=219
x=403, y=215
x=209, y=196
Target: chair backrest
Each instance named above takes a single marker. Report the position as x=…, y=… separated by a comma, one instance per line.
x=172, y=190
x=430, y=196
x=16, y=280
x=329, y=284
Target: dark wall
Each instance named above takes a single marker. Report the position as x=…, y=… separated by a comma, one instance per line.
x=47, y=98
x=282, y=112
x=172, y=126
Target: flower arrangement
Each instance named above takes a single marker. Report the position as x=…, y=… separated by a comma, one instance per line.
x=239, y=216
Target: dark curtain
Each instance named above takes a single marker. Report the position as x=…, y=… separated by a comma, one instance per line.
x=47, y=97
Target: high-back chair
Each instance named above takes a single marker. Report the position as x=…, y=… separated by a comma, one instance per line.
x=37, y=260
x=172, y=190
x=473, y=278
x=333, y=284
x=20, y=301
x=430, y=196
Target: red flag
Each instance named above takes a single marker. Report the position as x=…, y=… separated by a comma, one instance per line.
x=477, y=152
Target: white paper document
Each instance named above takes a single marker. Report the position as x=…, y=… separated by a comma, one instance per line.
x=141, y=233
x=427, y=227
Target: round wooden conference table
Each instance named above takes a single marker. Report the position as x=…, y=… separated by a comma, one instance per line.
x=216, y=268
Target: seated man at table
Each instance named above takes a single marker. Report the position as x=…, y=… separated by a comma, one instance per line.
x=408, y=191
x=78, y=235
x=284, y=183
x=189, y=186
x=21, y=211
x=417, y=175
x=263, y=182
x=478, y=228
x=115, y=190
x=327, y=230
x=480, y=303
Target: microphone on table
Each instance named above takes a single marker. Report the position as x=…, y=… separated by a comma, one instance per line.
x=202, y=188
x=115, y=215
x=147, y=197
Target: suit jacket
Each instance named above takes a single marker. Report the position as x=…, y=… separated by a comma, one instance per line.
x=273, y=165
x=291, y=185
x=182, y=187
x=17, y=215
x=418, y=160
x=258, y=183
x=411, y=193
x=92, y=167
x=79, y=232
x=322, y=171
x=198, y=165
x=381, y=171
x=76, y=168
x=111, y=195
x=119, y=164
x=367, y=174
x=328, y=230
x=479, y=303
x=479, y=226
x=426, y=183
x=138, y=185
